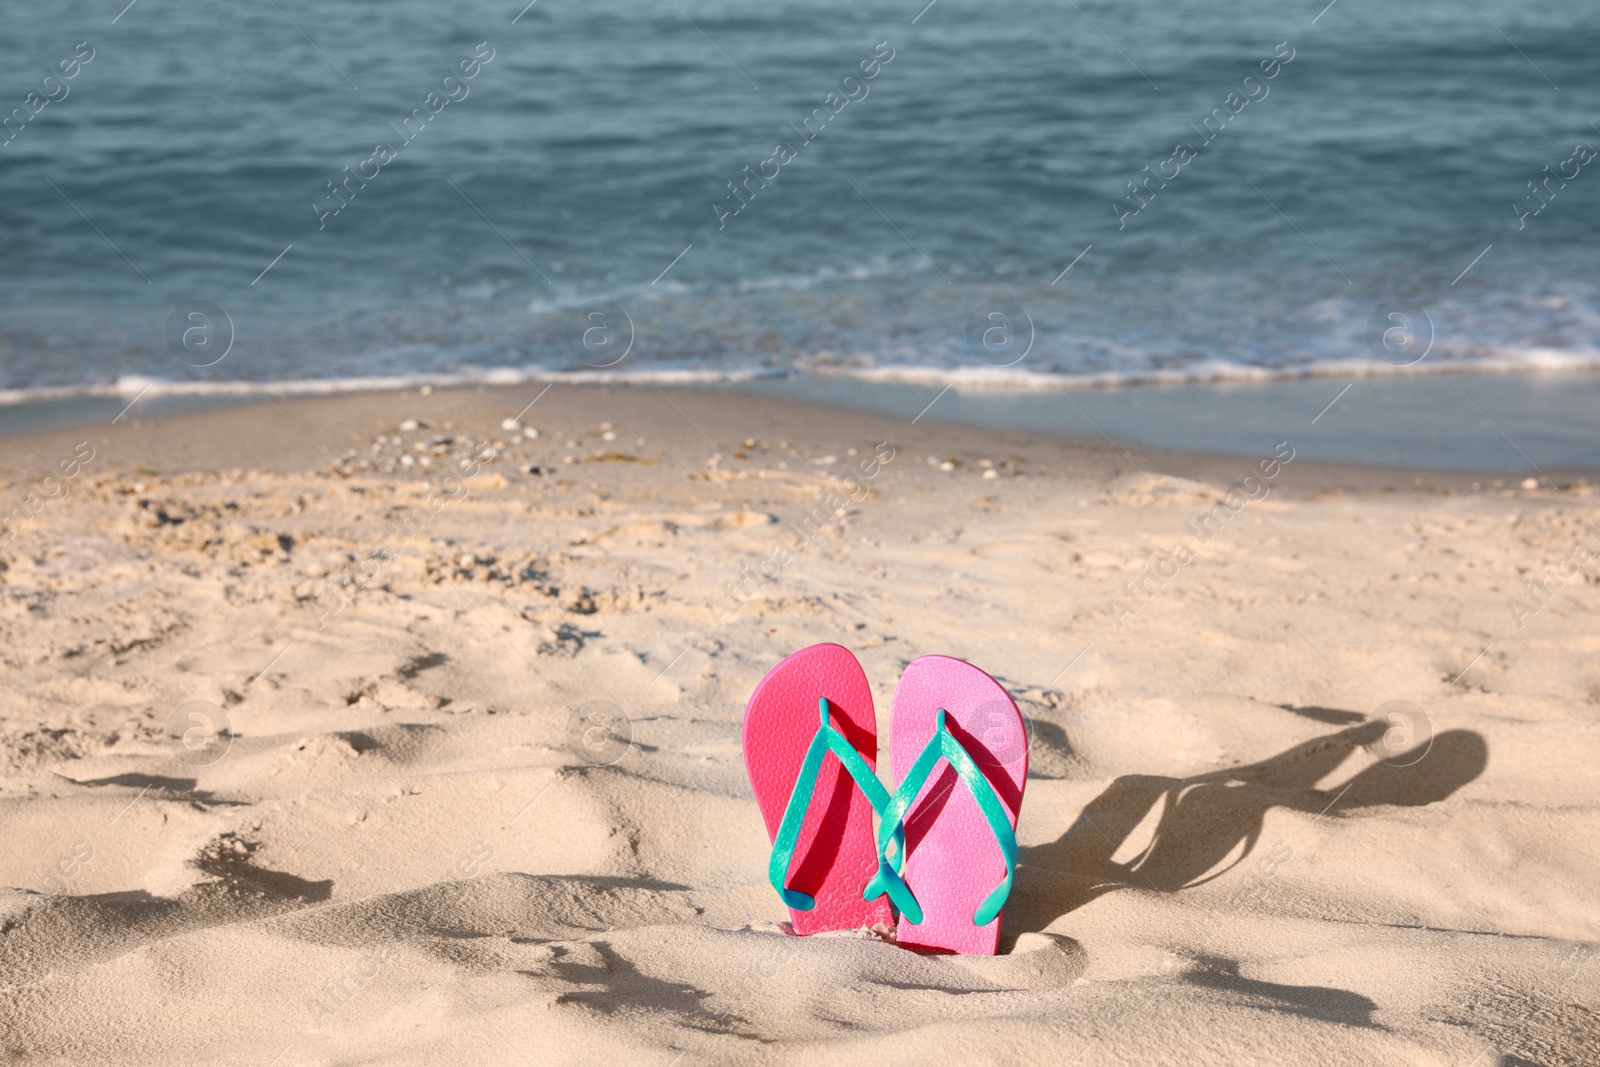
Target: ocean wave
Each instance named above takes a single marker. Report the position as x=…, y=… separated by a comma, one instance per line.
x=669, y=287
x=1533, y=360
x=130, y=386
x=1018, y=380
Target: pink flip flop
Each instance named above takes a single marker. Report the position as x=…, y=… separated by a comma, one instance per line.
x=818, y=811
x=959, y=750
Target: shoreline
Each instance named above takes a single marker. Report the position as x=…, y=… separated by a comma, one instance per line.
x=1505, y=427
x=337, y=433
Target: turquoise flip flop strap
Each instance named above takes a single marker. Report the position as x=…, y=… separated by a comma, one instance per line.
x=827, y=740
x=944, y=744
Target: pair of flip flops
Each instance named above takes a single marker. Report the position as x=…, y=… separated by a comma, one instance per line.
x=945, y=849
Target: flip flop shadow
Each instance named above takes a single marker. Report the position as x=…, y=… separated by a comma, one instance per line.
x=1207, y=818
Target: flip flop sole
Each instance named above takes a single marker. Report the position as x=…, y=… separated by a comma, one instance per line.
x=952, y=859
x=836, y=855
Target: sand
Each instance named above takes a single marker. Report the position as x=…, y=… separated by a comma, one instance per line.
x=1312, y=780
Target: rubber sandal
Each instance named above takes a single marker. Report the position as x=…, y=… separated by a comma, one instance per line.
x=959, y=750
x=815, y=703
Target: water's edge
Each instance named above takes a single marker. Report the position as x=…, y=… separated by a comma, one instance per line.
x=1524, y=423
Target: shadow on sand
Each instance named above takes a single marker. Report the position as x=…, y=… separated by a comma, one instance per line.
x=1205, y=819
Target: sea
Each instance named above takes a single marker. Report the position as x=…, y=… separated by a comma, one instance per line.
x=1019, y=199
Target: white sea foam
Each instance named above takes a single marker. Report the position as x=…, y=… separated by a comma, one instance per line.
x=1022, y=380
x=130, y=386
x=967, y=378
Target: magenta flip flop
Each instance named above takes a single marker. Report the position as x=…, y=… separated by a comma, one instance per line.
x=959, y=751
x=818, y=812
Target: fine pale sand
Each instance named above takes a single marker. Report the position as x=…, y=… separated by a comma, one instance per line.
x=1313, y=770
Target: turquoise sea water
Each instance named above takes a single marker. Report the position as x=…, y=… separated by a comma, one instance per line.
x=361, y=193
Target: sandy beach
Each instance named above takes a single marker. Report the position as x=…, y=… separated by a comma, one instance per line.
x=376, y=729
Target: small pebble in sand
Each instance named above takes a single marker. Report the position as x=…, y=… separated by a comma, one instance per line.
x=406, y=461
x=1530, y=483
x=607, y=426
x=947, y=465
x=426, y=390
x=609, y=435
x=991, y=473
x=409, y=425
x=510, y=424
x=530, y=433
